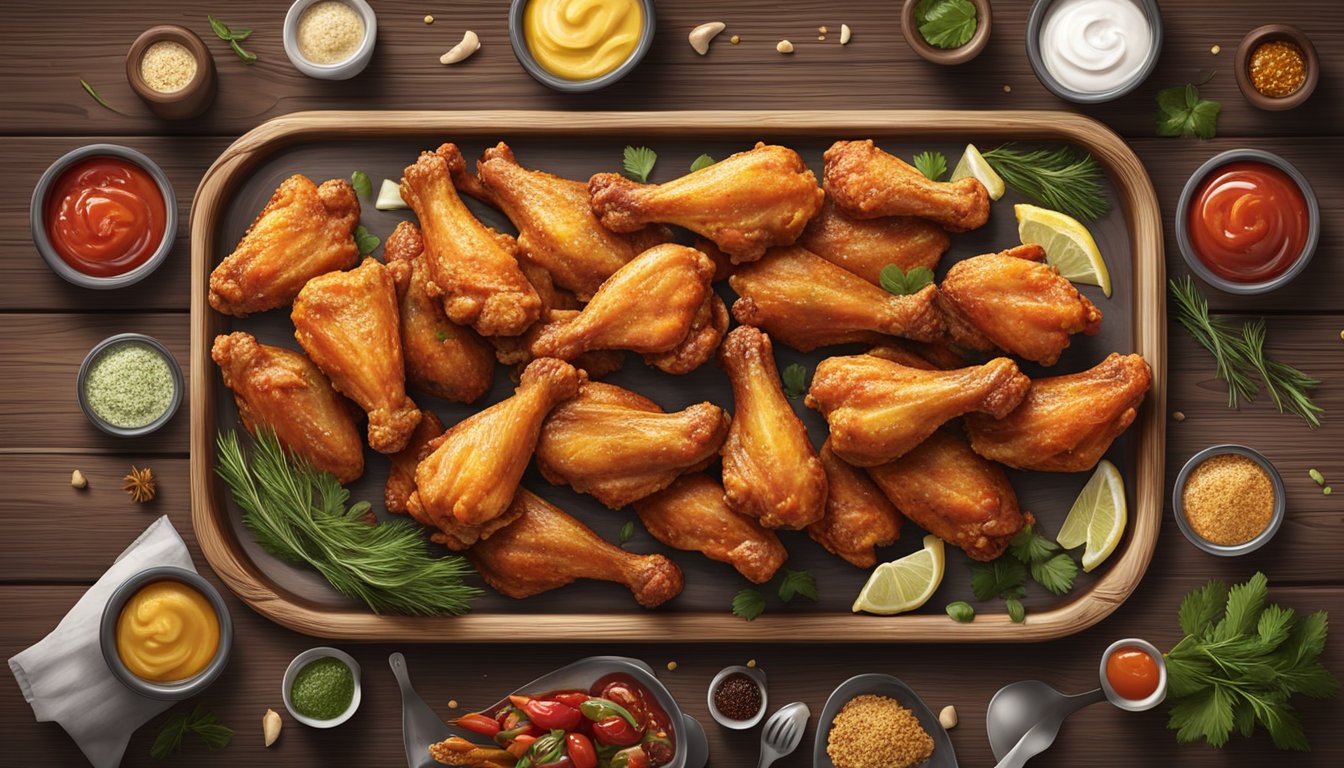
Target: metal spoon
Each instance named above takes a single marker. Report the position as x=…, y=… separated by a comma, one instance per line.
x=783, y=732
x=1024, y=718
x=420, y=726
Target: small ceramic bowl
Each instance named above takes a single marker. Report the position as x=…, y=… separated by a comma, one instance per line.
x=1270, y=33
x=37, y=217
x=1036, y=23
x=757, y=675
x=341, y=70
x=1187, y=247
x=984, y=19
x=518, y=38
x=98, y=350
x=1153, y=699
x=192, y=99
x=107, y=635
x=1276, y=517
x=303, y=660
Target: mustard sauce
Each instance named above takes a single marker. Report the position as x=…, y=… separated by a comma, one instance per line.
x=582, y=39
x=167, y=632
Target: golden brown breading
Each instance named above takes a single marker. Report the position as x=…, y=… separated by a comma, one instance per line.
x=401, y=471
x=858, y=517
x=865, y=246
x=867, y=183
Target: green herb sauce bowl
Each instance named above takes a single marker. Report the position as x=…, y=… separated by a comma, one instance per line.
x=153, y=344
x=304, y=659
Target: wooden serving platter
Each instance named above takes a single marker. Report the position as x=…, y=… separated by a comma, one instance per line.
x=333, y=144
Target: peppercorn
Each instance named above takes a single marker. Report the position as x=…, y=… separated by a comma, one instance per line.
x=737, y=697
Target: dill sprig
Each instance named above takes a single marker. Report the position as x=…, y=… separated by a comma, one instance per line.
x=299, y=514
x=1240, y=356
x=1063, y=179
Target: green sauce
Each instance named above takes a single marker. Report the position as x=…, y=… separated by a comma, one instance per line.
x=323, y=689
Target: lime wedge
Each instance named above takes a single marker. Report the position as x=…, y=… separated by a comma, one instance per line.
x=905, y=584
x=1068, y=245
x=1098, y=517
x=974, y=165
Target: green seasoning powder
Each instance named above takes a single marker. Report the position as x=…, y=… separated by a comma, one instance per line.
x=323, y=689
x=129, y=385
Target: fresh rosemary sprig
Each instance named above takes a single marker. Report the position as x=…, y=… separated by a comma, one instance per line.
x=300, y=514
x=1238, y=357
x=215, y=734
x=1063, y=179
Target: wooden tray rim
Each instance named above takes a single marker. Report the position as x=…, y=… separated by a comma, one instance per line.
x=1143, y=217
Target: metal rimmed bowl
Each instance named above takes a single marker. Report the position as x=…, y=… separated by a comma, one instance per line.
x=97, y=351
x=984, y=18
x=518, y=38
x=107, y=635
x=1270, y=33
x=37, y=217
x=1187, y=247
x=757, y=676
x=1154, y=698
x=341, y=70
x=1275, y=519
x=1036, y=23
x=303, y=660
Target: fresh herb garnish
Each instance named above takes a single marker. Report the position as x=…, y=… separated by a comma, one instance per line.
x=1238, y=357
x=362, y=183
x=1180, y=112
x=299, y=514
x=748, y=603
x=703, y=161
x=1005, y=577
x=794, y=379
x=233, y=37
x=627, y=531
x=961, y=611
x=931, y=164
x=1240, y=662
x=1016, y=611
x=204, y=724
x=1064, y=179
x=365, y=240
x=1002, y=577
x=639, y=162
x=897, y=281
x=89, y=89
x=797, y=583
x=946, y=23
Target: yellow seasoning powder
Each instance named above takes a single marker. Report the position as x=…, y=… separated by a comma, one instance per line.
x=1228, y=499
x=167, y=66
x=330, y=32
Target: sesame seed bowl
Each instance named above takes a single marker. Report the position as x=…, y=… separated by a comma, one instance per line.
x=1277, y=513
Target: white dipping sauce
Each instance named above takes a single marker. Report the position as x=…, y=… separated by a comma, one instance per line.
x=1094, y=46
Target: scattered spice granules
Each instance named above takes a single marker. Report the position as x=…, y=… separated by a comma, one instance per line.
x=738, y=697
x=1228, y=499
x=1278, y=68
x=167, y=66
x=330, y=32
x=877, y=732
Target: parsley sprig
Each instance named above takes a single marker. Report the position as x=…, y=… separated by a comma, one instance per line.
x=749, y=602
x=638, y=163
x=946, y=23
x=204, y=724
x=1240, y=662
x=1005, y=577
x=897, y=281
x=932, y=164
x=794, y=379
x=1180, y=112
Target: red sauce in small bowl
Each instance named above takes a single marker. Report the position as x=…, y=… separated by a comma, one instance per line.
x=105, y=216
x=1248, y=222
x=1132, y=673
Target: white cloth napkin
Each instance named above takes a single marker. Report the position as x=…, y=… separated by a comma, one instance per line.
x=64, y=675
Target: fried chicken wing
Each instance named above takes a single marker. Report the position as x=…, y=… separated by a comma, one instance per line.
x=865, y=246
x=702, y=340
x=1066, y=423
x=282, y=390
x=557, y=229
x=945, y=488
x=442, y=358
x=807, y=302
x=401, y=470
x=472, y=267
x=744, y=203
x=858, y=517
x=648, y=306
x=619, y=446
x=304, y=231
x=878, y=410
x=867, y=183
x=691, y=515
x=469, y=479
x=1015, y=302
x=770, y=470
x=545, y=549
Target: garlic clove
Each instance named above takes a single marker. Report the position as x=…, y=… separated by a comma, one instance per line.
x=948, y=717
x=469, y=45
x=844, y=34
x=77, y=480
x=701, y=35
x=270, y=726
x=784, y=46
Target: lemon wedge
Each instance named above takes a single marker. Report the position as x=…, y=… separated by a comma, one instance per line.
x=974, y=165
x=1068, y=245
x=905, y=584
x=1098, y=517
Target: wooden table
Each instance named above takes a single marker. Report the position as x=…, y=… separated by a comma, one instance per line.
x=57, y=540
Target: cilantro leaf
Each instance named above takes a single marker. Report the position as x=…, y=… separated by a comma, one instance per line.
x=363, y=186
x=1055, y=574
x=1180, y=112
x=1207, y=715
x=946, y=23
x=1201, y=607
x=627, y=531
x=366, y=241
x=897, y=281
x=961, y=611
x=1244, y=604
x=1016, y=611
x=794, y=379
x=638, y=163
x=931, y=164
x=748, y=603
x=797, y=583
x=703, y=161
x=1029, y=546
x=997, y=578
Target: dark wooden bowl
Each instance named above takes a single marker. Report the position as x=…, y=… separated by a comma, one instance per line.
x=947, y=56
x=1270, y=33
x=192, y=100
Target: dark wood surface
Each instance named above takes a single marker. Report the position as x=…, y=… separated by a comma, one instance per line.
x=57, y=541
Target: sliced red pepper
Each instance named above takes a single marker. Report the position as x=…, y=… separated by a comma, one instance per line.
x=572, y=698
x=552, y=715
x=520, y=744
x=478, y=723
x=581, y=750
x=616, y=731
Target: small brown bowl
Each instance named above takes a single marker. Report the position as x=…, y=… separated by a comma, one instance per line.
x=1266, y=34
x=191, y=100
x=947, y=56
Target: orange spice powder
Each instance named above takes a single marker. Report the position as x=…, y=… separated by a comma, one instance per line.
x=1228, y=499
x=1278, y=68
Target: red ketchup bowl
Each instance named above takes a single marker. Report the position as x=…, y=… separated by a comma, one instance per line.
x=1247, y=222
x=103, y=216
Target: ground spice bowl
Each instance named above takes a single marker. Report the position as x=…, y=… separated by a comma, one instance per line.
x=196, y=96
x=757, y=675
x=92, y=356
x=1275, y=518
x=984, y=18
x=341, y=70
x=1270, y=33
x=303, y=660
